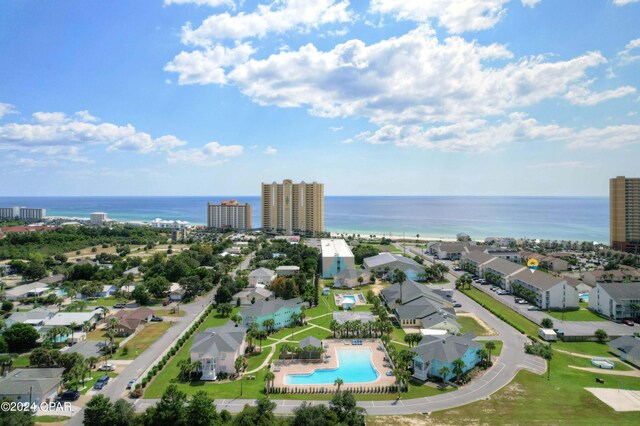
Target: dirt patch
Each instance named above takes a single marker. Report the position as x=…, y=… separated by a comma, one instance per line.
x=490, y=331
x=618, y=399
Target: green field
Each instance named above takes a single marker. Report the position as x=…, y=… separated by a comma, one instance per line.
x=580, y=315
x=142, y=340
x=255, y=360
x=586, y=348
x=50, y=419
x=469, y=324
x=498, y=350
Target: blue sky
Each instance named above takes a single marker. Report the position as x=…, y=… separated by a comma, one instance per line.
x=378, y=97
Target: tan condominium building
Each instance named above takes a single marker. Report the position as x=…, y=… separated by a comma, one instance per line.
x=229, y=214
x=293, y=207
x=624, y=201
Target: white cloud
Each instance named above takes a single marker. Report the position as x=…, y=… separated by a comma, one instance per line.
x=6, y=109
x=630, y=53
x=277, y=17
x=336, y=129
x=270, y=150
x=56, y=130
x=211, y=3
x=624, y=2
x=411, y=78
x=482, y=136
x=457, y=16
x=562, y=165
x=212, y=154
x=580, y=94
x=530, y=3
x=208, y=66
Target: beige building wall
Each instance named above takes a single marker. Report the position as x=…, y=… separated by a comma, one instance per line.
x=624, y=210
x=293, y=207
x=229, y=214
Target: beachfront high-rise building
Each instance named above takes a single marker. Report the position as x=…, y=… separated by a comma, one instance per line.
x=98, y=218
x=624, y=202
x=229, y=214
x=293, y=207
x=23, y=213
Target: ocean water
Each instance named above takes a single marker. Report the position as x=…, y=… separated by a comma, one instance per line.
x=354, y=366
x=562, y=218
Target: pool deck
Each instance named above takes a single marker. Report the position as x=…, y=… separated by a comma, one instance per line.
x=377, y=359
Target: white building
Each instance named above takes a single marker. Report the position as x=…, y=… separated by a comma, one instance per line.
x=98, y=218
x=550, y=292
x=9, y=212
x=261, y=277
x=168, y=224
x=229, y=214
x=336, y=257
x=27, y=213
x=217, y=349
x=615, y=300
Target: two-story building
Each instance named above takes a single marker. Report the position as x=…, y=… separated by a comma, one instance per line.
x=500, y=271
x=261, y=277
x=546, y=291
x=217, y=349
x=475, y=262
x=435, y=352
x=390, y=262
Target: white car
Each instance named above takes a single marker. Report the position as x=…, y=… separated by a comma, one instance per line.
x=107, y=367
x=532, y=308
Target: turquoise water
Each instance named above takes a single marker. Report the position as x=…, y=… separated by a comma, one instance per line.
x=349, y=299
x=585, y=297
x=562, y=218
x=354, y=366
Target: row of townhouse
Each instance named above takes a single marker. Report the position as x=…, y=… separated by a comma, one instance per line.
x=616, y=300
x=546, y=291
x=550, y=263
x=456, y=250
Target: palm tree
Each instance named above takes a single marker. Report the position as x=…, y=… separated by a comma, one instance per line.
x=269, y=323
x=239, y=364
x=547, y=353
x=261, y=335
x=92, y=361
x=458, y=368
x=269, y=377
x=482, y=353
x=339, y=382
x=73, y=326
x=86, y=326
x=111, y=334
x=489, y=346
x=236, y=319
x=6, y=361
x=399, y=277
x=444, y=373
x=334, y=326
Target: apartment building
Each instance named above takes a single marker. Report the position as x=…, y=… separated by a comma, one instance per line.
x=616, y=300
x=336, y=257
x=293, y=207
x=546, y=291
x=98, y=218
x=624, y=204
x=22, y=213
x=229, y=214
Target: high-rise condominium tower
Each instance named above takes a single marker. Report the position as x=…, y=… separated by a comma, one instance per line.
x=229, y=214
x=293, y=207
x=624, y=202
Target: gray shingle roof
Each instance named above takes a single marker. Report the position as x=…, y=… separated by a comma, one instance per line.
x=270, y=307
x=479, y=257
x=39, y=380
x=212, y=341
x=34, y=314
x=622, y=291
x=343, y=316
x=262, y=272
x=446, y=349
x=310, y=341
x=410, y=291
x=434, y=320
x=416, y=309
x=627, y=344
x=505, y=267
x=539, y=279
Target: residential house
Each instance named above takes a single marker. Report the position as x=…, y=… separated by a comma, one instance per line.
x=287, y=270
x=349, y=278
x=279, y=310
x=545, y=290
x=66, y=319
x=261, y=277
x=107, y=290
x=614, y=275
x=176, y=292
x=249, y=296
x=435, y=352
x=36, y=289
x=53, y=279
x=217, y=349
x=500, y=271
x=135, y=271
x=89, y=348
x=129, y=322
x=616, y=300
x=35, y=317
x=627, y=348
x=391, y=262
x=32, y=385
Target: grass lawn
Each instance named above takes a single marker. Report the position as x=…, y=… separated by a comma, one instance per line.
x=167, y=313
x=498, y=350
x=88, y=384
x=586, y=348
x=21, y=361
x=324, y=321
x=362, y=308
x=142, y=340
x=103, y=301
x=469, y=324
x=586, y=362
x=580, y=315
x=286, y=332
x=398, y=334
x=316, y=332
x=50, y=419
x=531, y=399
x=257, y=358
x=101, y=334
x=324, y=306
x=499, y=308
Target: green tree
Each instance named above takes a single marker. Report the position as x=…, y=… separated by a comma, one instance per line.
x=269, y=377
x=444, y=373
x=546, y=323
x=34, y=271
x=124, y=413
x=236, y=318
x=158, y=286
x=458, y=368
x=399, y=277
x=489, y=346
x=547, y=353
x=601, y=335
x=171, y=408
x=339, y=382
x=259, y=415
x=316, y=415
x=269, y=324
x=21, y=337
x=99, y=412
x=201, y=411
x=344, y=405
x=225, y=309
x=141, y=295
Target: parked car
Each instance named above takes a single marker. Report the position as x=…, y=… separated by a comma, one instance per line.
x=167, y=302
x=522, y=302
x=628, y=322
x=532, y=308
x=107, y=367
x=102, y=382
x=119, y=305
x=131, y=384
x=156, y=319
x=457, y=305
x=68, y=395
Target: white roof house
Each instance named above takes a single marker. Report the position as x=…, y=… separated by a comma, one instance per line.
x=336, y=257
x=286, y=270
x=68, y=318
x=261, y=277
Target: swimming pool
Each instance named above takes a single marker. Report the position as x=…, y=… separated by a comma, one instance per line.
x=354, y=366
x=584, y=297
x=349, y=299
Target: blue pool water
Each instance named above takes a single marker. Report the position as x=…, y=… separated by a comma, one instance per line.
x=354, y=366
x=349, y=299
x=585, y=297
